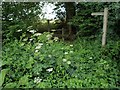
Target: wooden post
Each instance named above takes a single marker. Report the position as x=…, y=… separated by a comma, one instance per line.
x=70, y=29
x=48, y=25
x=105, y=20
x=63, y=34
x=105, y=26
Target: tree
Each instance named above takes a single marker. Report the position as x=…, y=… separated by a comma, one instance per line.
x=18, y=16
x=89, y=25
x=70, y=12
x=66, y=15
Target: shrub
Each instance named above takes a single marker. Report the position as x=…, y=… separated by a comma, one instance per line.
x=43, y=62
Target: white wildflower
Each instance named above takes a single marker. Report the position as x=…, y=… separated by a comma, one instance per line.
x=62, y=48
x=71, y=45
x=37, y=80
x=40, y=44
x=32, y=31
x=64, y=60
x=49, y=56
x=31, y=39
x=38, y=47
x=37, y=34
x=71, y=51
x=90, y=58
x=56, y=38
x=36, y=50
x=38, y=73
x=19, y=30
x=68, y=62
x=25, y=39
x=66, y=53
x=49, y=36
x=50, y=69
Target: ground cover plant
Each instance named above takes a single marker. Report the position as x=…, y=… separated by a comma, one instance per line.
x=32, y=57
x=43, y=61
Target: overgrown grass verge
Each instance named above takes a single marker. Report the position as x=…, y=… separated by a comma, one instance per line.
x=46, y=62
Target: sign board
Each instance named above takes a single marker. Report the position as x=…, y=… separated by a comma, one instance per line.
x=98, y=13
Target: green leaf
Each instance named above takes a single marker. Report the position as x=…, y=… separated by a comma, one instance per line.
x=44, y=85
x=2, y=76
x=10, y=85
x=1, y=64
x=29, y=63
x=23, y=80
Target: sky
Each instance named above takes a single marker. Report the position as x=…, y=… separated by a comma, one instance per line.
x=48, y=11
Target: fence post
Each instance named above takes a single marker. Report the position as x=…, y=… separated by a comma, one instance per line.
x=48, y=25
x=105, y=20
x=63, y=34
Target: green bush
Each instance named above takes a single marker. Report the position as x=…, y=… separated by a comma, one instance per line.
x=46, y=62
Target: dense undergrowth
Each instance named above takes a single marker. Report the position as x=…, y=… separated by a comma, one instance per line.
x=46, y=62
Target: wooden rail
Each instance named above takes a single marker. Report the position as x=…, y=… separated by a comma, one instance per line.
x=60, y=30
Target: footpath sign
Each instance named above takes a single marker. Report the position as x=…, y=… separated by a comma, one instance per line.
x=105, y=20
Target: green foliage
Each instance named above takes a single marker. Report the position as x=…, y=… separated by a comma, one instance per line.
x=44, y=62
x=60, y=6
x=23, y=80
x=11, y=85
x=18, y=16
x=42, y=25
x=90, y=25
x=40, y=60
x=2, y=76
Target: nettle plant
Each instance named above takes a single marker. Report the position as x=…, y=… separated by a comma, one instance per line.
x=39, y=58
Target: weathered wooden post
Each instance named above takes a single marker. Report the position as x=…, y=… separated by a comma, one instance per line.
x=63, y=34
x=70, y=29
x=105, y=20
x=105, y=26
x=48, y=21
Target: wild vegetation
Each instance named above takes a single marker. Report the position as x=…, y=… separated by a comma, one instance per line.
x=35, y=58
